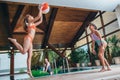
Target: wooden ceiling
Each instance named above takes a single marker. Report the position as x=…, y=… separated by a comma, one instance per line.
x=61, y=26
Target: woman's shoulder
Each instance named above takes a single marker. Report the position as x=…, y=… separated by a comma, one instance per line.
x=96, y=31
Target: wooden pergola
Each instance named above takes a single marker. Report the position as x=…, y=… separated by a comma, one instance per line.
x=61, y=27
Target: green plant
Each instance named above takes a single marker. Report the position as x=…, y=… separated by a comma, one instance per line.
x=113, y=43
x=52, y=55
x=78, y=56
x=35, y=62
x=56, y=70
x=38, y=73
x=59, y=61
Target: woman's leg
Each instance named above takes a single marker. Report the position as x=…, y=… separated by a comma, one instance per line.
x=29, y=60
x=101, y=57
x=106, y=62
x=25, y=47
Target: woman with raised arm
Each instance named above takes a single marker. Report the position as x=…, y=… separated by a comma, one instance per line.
x=30, y=27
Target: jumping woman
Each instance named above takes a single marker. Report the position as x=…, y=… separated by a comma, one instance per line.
x=30, y=27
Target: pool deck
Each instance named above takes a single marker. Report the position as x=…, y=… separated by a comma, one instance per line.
x=94, y=74
x=114, y=74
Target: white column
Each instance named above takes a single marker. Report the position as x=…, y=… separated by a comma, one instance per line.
x=117, y=11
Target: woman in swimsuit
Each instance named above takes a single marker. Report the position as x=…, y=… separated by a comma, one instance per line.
x=30, y=28
x=96, y=37
x=47, y=66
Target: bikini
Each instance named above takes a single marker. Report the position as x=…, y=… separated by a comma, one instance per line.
x=29, y=36
x=97, y=39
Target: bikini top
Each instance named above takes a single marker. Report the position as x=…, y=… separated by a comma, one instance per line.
x=32, y=27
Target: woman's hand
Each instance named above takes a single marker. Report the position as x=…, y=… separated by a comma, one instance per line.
x=101, y=42
x=93, y=51
x=40, y=6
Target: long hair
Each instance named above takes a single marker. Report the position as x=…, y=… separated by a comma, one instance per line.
x=26, y=23
x=91, y=24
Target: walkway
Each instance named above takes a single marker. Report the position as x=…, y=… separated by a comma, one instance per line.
x=114, y=74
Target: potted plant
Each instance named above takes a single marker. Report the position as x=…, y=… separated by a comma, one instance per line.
x=115, y=48
x=78, y=56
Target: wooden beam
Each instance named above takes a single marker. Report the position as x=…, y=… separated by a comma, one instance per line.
x=6, y=18
x=60, y=54
x=89, y=18
x=51, y=47
x=99, y=14
x=64, y=50
x=87, y=39
x=25, y=9
x=16, y=17
x=112, y=33
x=102, y=22
x=24, y=33
x=108, y=23
x=49, y=27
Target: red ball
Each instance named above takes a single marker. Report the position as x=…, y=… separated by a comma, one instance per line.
x=45, y=8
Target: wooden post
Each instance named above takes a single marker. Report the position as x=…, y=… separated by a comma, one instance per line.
x=87, y=39
x=12, y=63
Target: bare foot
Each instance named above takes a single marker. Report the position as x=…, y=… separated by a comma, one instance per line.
x=109, y=69
x=12, y=40
x=29, y=73
x=102, y=70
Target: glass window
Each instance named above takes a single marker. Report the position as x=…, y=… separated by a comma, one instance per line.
x=112, y=27
x=97, y=22
x=85, y=47
x=81, y=42
x=67, y=53
x=117, y=34
x=101, y=31
x=108, y=16
x=89, y=38
x=4, y=63
x=20, y=62
x=88, y=30
x=83, y=35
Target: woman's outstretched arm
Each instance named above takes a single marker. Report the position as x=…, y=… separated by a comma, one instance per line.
x=39, y=14
x=39, y=22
